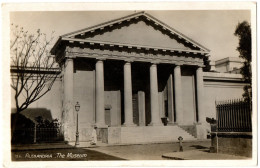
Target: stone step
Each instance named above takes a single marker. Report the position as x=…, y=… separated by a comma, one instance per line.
x=146, y=134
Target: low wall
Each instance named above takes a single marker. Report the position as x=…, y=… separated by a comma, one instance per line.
x=235, y=143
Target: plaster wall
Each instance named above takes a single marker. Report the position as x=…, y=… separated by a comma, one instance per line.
x=220, y=91
x=222, y=67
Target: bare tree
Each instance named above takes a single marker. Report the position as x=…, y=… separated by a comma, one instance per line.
x=33, y=69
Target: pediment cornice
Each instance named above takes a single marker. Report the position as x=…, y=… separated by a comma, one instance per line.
x=132, y=46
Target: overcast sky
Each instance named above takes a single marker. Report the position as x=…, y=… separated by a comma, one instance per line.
x=212, y=29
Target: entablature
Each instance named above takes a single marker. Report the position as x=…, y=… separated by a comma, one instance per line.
x=77, y=52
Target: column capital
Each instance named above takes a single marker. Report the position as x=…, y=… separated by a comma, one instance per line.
x=178, y=64
x=70, y=57
x=155, y=62
x=129, y=60
x=199, y=66
x=100, y=59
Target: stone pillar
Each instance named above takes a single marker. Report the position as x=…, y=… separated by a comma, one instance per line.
x=100, y=106
x=68, y=105
x=128, y=101
x=178, y=95
x=170, y=100
x=155, y=113
x=141, y=108
x=201, y=126
x=161, y=104
x=200, y=90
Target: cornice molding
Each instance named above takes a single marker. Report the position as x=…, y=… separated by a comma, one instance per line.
x=130, y=46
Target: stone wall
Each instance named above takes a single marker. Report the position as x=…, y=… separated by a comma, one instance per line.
x=232, y=143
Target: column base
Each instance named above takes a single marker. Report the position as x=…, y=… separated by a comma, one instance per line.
x=155, y=124
x=172, y=123
x=99, y=125
x=141, y=124
x=129, y=125
x=197, y=123
x=201, y=131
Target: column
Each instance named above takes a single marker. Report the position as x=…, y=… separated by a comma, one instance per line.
x=68, y=106
x=155, y=114
x=200, y=87
x=141, y=107
x=100, y=107
x=128, y=102
x=170, y=100
x=178, y=95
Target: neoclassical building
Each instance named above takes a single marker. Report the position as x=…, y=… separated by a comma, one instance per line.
x=137, y=79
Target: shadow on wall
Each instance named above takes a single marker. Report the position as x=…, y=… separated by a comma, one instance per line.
x=32, y=113
x=34, y=125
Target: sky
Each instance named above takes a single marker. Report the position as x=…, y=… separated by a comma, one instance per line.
x=213, y=29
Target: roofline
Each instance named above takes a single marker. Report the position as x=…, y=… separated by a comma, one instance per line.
x=228, y=59
x=55, y=45
x=104, y=24
x=179, y=33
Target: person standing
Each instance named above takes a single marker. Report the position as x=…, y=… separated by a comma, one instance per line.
x=94, y=136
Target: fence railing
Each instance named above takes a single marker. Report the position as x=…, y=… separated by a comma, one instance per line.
x=234, y=116
x=37, y=135
x=48, y=134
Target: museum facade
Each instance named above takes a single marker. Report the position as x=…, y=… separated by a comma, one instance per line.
x=138, y=80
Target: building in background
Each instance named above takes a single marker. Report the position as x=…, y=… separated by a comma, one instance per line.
x=228, y=65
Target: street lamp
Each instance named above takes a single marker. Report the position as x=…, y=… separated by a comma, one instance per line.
x=77, y=107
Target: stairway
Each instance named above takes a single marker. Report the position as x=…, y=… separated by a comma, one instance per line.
x=146, y=134
x=191, y=129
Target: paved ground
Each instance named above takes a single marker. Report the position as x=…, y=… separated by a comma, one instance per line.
x=150, y=151
x=201, y=155
x=193, y=150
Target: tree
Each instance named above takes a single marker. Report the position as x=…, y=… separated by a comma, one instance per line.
x=33, y=69
x=243, y=32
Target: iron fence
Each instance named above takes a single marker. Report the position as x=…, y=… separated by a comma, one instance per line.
x=37, y=135
x=234, y=116
x=48, y=134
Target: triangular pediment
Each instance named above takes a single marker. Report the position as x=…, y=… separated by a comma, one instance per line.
x=137, y=29
x=139, y=34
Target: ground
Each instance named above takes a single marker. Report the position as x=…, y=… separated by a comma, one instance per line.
x=150, y=151
x=116, y=152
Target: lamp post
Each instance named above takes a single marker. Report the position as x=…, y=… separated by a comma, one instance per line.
x=77, y=107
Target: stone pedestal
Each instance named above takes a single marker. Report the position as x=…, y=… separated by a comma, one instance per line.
x=201, y=131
